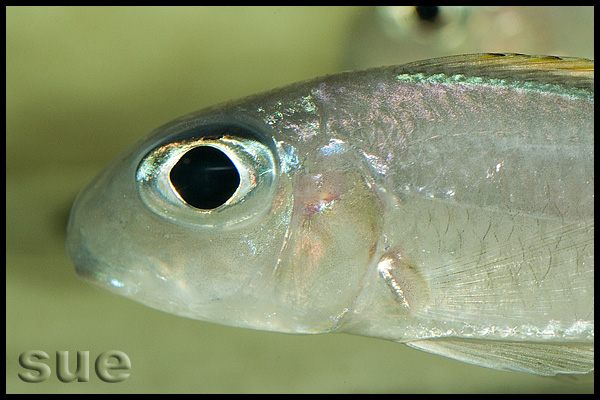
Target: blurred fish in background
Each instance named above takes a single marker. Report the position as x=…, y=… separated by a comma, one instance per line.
x=388, y=35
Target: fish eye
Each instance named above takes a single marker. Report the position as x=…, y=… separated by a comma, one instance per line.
x=219, y=177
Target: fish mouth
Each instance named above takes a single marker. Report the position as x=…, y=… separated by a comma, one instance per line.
x=93, y=269
x=124, y=282
x=126, y=278
x=100, y=273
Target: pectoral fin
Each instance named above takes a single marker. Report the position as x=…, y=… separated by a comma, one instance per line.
x=533, y=358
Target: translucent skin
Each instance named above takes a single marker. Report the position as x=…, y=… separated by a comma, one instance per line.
x=445, y=199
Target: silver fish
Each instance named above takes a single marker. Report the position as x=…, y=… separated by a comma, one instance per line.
x=446, y=204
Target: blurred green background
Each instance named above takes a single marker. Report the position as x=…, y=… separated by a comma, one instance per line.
x=84, y=82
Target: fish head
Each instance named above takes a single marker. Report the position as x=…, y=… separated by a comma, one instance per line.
x=226, y=217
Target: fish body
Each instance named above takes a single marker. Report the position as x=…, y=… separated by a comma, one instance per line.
x=446, y=204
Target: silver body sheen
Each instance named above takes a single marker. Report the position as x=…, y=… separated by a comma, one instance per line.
x=447, y=204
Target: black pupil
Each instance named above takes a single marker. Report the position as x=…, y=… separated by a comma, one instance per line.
x=205, y=177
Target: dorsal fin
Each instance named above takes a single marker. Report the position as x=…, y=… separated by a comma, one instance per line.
x=569, y=72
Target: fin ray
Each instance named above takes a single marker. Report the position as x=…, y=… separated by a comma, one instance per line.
x=534, y=358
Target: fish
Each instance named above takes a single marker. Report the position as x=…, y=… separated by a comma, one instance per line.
x=446, y=204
